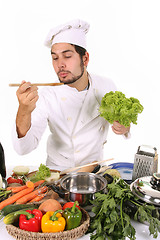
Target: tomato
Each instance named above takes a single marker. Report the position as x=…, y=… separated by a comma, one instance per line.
x=14, y=180
x=69, y=205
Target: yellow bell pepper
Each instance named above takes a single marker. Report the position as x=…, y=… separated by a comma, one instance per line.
x=53, y=222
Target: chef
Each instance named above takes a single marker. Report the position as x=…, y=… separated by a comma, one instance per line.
x=71, y=110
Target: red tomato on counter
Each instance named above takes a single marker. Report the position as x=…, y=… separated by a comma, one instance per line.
x=69, y=205
x=14, y=180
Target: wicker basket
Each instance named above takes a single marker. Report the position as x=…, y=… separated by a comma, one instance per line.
x=65, y=235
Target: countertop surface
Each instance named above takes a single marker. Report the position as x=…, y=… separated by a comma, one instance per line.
x=142, y=231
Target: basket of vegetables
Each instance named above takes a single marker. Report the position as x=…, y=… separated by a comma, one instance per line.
x=31, y=212
x=70, y=222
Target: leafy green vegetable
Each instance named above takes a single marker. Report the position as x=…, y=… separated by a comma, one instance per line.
x=41, y=174
x=112, y=215
x=116, y=107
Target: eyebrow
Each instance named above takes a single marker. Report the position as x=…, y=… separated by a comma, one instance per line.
x=65, y=51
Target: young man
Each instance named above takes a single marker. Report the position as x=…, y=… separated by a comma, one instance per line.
x=71, y=110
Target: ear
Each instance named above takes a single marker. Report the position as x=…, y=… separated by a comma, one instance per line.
x=86, y=59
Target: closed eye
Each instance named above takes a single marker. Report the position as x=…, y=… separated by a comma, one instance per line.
x=68, y=56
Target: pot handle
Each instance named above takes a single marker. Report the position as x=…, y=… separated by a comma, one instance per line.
x=57, y=190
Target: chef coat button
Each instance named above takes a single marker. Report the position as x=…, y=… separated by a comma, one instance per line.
x=96, y=90
x=69, y=118
x=77, y=151
x=74, y=137
x=102, y=128
x=63, y=98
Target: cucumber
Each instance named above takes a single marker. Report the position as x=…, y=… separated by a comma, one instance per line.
x=14, y=216
x=15, y=207
x=21, y=170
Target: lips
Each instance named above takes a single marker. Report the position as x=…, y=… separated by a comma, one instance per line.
x=63, y=74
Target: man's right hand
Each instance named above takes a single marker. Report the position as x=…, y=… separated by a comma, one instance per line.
x=27, y=96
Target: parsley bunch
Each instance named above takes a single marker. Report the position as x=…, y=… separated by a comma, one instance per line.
x=111, y=218
x=116, y=107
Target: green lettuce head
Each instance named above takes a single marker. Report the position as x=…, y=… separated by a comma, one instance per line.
x=116, y=107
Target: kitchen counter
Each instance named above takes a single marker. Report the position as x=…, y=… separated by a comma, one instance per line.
x=142, y=231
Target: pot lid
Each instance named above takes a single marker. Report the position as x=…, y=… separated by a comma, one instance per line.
x=144, y=190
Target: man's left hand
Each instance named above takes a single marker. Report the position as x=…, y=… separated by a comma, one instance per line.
x=119, y=129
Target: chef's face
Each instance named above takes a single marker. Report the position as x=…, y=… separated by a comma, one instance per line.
x=67, y=63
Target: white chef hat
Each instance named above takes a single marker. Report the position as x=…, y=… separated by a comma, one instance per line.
x=73, y=32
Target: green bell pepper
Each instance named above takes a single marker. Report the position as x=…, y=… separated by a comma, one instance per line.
x=73, y=216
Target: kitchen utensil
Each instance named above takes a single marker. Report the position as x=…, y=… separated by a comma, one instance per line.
x=36, y=84
x=142, y=188
x=102, y=169
x=145, y=162
x=96, y=168
x=89, y=164
x=81, y=187
x=87, y=169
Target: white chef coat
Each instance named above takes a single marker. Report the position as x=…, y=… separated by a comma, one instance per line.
x=78, y=133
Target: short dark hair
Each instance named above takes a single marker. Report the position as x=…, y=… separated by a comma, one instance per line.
x=80, y=50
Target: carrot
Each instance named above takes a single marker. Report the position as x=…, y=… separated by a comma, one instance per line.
x=37, y=198
x=17, y=189
x=26, y=198
x=36, y=184
x=20, y=188
x=15, y=197
x=29, y=184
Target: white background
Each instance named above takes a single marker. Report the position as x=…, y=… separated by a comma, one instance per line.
x=123, y=42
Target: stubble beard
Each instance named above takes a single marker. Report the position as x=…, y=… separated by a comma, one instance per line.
x=74, y=78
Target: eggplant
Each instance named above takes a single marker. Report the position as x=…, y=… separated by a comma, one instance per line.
x=2, y=162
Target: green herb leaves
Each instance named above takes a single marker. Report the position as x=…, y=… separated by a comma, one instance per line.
x=41, y=174
x=111, y=218
x=116, y=107
x=144, y=214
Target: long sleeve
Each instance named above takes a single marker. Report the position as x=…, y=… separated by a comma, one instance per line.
x=31, y=140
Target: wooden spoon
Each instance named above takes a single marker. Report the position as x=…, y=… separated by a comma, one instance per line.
x=36, y=84
x=76, y=168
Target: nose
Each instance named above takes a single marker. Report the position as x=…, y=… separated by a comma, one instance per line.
x=61, y=63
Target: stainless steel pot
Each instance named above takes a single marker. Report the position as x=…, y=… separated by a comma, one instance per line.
x=81, y=187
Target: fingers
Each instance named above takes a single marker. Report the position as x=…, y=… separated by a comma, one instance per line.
x=25, y=86
x=26, y=90
x=27, y=96
x=120, y=129
x=31, y=93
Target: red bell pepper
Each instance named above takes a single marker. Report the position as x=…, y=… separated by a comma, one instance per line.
x=69, y=205
x=14, y=180
x=31, y=220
